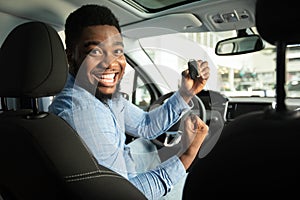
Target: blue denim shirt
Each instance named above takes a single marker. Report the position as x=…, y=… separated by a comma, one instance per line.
x=102, y=127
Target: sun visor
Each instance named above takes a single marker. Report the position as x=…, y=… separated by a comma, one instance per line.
x=173, y=23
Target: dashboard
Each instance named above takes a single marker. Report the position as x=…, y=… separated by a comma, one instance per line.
x=236, y=108
x=231, y=108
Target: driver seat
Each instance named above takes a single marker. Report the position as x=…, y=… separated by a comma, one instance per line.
x=42, y=157
x=258, y=151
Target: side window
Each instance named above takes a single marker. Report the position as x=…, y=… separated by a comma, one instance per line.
x=44, y=102
x=135, y=89
x=24, y=103
x=142, y=95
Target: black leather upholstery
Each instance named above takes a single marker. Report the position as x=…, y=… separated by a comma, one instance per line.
x=278, y=21
x=258, y=151
x=32, y=62
x=42, y=157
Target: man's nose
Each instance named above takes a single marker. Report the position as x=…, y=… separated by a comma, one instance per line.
x=107, y=60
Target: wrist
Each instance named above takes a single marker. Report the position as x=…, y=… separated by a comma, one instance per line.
x=186, y=95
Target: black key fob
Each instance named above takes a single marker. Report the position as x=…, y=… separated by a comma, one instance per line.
x=193, y=69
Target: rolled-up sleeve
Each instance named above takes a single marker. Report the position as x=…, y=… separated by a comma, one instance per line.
x=157, y=182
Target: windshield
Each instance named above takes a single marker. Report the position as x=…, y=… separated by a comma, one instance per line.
x=251, y=74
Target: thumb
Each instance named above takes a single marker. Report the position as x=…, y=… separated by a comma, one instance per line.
x=184, y=73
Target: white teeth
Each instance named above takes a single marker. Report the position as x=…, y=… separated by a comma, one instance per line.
x=108, y=80
x=107, y=76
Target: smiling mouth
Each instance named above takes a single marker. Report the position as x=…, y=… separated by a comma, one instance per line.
x=106, y=79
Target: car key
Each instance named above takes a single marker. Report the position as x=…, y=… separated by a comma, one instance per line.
x=193, y=69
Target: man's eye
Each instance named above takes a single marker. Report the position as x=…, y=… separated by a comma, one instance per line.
x=96, y=52
x=119, y=52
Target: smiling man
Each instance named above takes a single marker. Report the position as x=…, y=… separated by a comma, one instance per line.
x=100, y=53
x=92, y=105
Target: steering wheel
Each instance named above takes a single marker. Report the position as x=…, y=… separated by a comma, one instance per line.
x=173, y=135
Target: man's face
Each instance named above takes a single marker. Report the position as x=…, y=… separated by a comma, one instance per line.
x=100, y=55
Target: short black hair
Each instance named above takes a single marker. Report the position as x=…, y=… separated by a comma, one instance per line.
x=87, y=15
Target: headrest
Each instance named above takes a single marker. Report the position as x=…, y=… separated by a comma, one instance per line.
x=32, y=62
x=278, y=21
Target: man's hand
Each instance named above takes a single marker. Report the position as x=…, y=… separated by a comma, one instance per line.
x=194, y=133
x=190, y=87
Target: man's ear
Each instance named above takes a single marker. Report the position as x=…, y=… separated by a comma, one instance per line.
x=70, y=56
x=71, y=61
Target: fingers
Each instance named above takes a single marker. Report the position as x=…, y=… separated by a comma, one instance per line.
x=194, y=125
x=201, y=126
x=190, y=87
x=197, y=125
x=195, y=131
x=190, y=122
x=185, y=73
x=203, y=68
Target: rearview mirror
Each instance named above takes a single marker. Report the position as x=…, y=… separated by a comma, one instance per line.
x=239, y=45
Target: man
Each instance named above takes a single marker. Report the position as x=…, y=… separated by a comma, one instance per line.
x=91, y=104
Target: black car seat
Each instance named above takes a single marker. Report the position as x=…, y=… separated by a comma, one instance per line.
x=42, y=157
x=258, y=151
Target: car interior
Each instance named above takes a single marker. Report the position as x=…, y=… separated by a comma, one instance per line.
x=258, y=151
x=250, y=103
